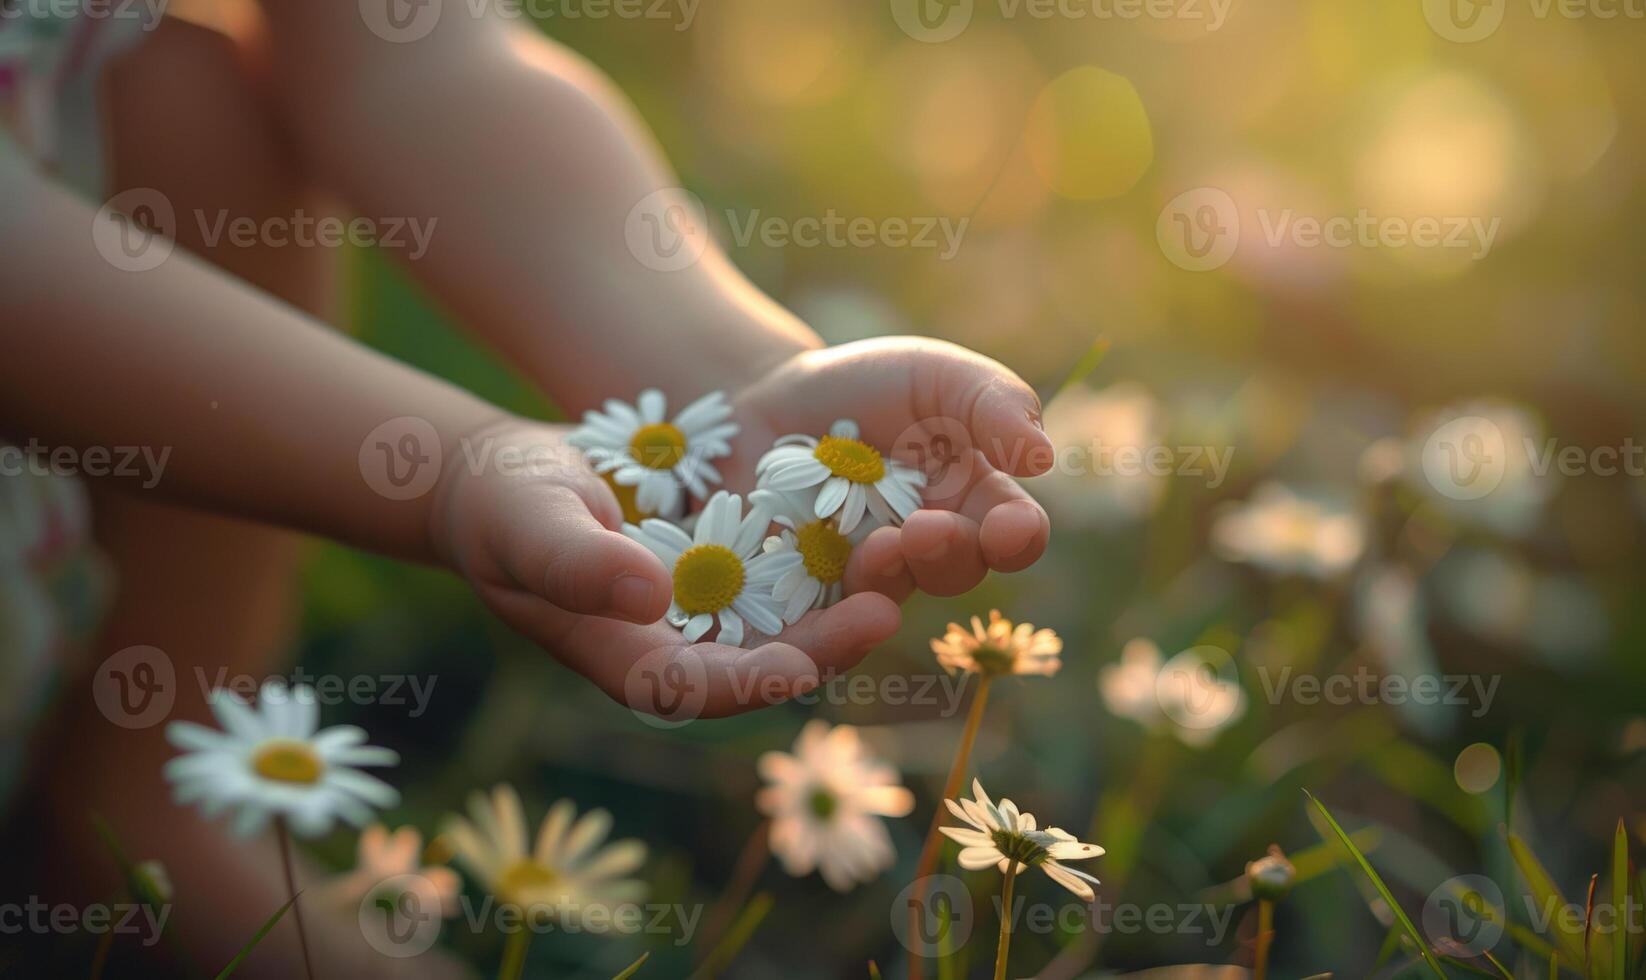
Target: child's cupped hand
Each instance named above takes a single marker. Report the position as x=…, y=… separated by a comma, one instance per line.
x=540, y=539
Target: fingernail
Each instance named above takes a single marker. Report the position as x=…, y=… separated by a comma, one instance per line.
x=632, y=595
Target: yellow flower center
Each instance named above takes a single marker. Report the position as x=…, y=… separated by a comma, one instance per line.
x=994, y=661
x=853, y=459
x=824, y=551
x=707, y=578
x=522, y=882
x=658, y=446
x=288, y=762
x=626, y=499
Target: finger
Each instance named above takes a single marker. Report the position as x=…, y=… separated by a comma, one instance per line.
x=1012, y=527
x=560, y=552
x=838, y=637
x=999, y=409
x=877, y=565
x=942, y=551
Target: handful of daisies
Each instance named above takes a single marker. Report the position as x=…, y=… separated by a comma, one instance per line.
x=823, y=495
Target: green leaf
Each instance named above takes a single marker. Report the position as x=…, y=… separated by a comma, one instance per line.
x=1548, y=896
x=1382, y=889
x=268, y=926
x=741, y=931
x=634, y=967
x=874, y=971
x=1620, y=902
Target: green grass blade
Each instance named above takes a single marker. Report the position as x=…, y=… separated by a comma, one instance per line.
x=1083, y=368
x=634, y=967
x=741, y=931
x=268, y=926
x=874, y=971
x=1382, y=889
x=1548, y=896
x=1620, y=902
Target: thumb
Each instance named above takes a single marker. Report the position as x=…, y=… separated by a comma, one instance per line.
x=560, y=552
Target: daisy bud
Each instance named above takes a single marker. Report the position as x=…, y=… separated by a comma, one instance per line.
x=151, y=881
x=1271, y=876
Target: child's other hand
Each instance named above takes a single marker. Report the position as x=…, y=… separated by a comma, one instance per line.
x=911, y=396
x=537, y=535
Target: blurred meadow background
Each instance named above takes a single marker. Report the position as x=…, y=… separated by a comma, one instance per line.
x=1329, y=547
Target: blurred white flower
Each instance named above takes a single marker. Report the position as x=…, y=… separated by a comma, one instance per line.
x=1392, y=618
x=1001, y=836
x=1122, y=418
x=635, y=447
x=271, y=761
x=1478, y=462
x=1501, y=598
x=1189, y=695
x=851, y=477
x=999, y=648
x=719, y=570
x=393, y=858
x=825, y=801
x=812, y=552
x=1285, y=533
x=566, y=873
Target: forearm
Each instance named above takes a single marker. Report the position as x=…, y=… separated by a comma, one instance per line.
x=256, y=410
x=531, y=165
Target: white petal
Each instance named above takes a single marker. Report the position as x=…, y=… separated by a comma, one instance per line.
x=697, y=626
x=831, y=496
x=731, y=628
x=844, y=429
x=652, y=405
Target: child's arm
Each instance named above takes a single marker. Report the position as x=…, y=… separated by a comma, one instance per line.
x=532, y=164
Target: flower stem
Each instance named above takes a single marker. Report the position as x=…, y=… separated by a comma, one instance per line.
x=1004, y=949
x=284, y=837
x=1265, y=935
x=514, y=953
x=750, y=863
x=934, y=840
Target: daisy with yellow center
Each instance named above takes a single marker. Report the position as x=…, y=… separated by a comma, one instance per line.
x=999, y=648
x=272, y=761
x=809, y=552
x=647, y=458
x=851, y=478
x=720, y=574
x=826, y=801
x=565, y=872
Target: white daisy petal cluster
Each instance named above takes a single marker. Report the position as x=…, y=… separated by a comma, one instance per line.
x=810, y=552
x=720, y=570
x=648, y=459
x=273, y=761
x=826, y=800
x=849, y=477
x=1001, y=835
x=565, y=872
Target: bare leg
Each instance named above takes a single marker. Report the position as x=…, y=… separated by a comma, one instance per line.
x=187, y=119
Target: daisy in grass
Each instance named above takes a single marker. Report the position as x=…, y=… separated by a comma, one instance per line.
x=811, y=552
x=1187, y=695
x=825, y=801
x=1002, y=836
x=852, y=477
x=719, y=570
x=1282, y=532
x=270, y=761
x=999, y=648
x=566, y=872
x=647, y=459
x=394, y=858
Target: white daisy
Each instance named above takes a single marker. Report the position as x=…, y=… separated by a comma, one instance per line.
x=719, y=570
x=810, y=552
x=270, y=761
x=999, y=648
x=1285, y=533
x=566, y=872
x=825, y=801
x=1182, y=695
x=646, y=459
x=1000, y=836
x=852, y=476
